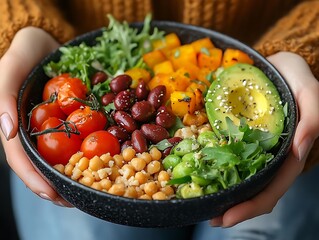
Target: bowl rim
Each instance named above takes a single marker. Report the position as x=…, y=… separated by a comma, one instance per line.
x=29, y=147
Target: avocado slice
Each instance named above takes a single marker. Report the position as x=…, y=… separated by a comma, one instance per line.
x=243, y=90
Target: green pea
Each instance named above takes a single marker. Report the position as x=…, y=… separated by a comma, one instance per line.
x=190, y=190
x=183, y=169
x=212, y=188
x=187, y=145
x=189, y=157
x=200, y=180
x=170, y=161
x=207, y=137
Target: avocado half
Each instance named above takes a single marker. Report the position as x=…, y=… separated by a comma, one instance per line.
x=243, y=90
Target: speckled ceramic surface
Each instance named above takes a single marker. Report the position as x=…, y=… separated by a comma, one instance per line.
x=145, y=213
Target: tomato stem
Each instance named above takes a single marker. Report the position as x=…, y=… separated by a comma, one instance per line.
x=69, y=128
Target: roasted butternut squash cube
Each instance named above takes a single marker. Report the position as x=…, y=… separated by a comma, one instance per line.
x=233, y=56
x=154, y=57
x=163, y=67
x=210, y=58
x=183, y=55
x=137, y=75
x=202, y=43
x=182, y=103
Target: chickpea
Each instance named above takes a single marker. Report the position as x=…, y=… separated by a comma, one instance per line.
x=68, y=169
x=75, y=158
x=115, y=173
x=145, y=197
x=118, y=159
x=59, y=167
x=76, y=173
x=150, y=188
x=163, y=176
x=141, y=177
x=106, y=158
x=153, y=167
x=130, y=192
x=159, y=196
x=96, y=163
x=155, y=153
x=83, y=163
x=96, y=185
x=127, y=171
x=138, y=163
x=146, y=156
x=168, y=190
x=117, y=189
x=88, y=181
x=128, y=154
x=106, y=184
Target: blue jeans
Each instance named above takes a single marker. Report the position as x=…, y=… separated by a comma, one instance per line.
x=295, y=217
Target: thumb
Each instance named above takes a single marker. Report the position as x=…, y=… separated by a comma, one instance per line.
x=27, y=49
x=305, y=88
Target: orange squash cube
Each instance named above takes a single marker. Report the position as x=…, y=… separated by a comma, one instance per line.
x=210, y=58
x=199, y=44
x=183, y=55
x=182, y=103
x=154, y=57
x=233, y=56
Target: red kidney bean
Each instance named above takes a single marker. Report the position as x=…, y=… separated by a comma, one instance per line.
x=124, y=100
x=120, y=83
x=107, y=98
x=139, y=142
x=174, y=140
x=98, y=77
x=126, y=144
x=165, y=117
x=156, y=96
x=166, y=151
x=142, y=91
x=125, y=120
x=143, y=111
x=154, y=133
x=120, y=133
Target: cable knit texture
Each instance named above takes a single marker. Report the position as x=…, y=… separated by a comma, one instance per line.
x=245, y=20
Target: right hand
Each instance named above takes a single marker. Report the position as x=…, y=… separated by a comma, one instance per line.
x=27, y=49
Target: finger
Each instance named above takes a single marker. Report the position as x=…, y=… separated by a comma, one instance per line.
x=23, y=167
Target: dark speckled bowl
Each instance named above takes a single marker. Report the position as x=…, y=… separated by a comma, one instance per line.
x=143, y=213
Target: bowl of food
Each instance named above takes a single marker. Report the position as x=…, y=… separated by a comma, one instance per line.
x=156, y=124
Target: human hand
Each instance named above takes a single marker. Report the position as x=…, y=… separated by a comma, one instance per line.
x=28, y=47
x=305, y=88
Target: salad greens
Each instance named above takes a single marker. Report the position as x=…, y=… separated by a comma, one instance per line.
x=119, y=48
x=235, y=157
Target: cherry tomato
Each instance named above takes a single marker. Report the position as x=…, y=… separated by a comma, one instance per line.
x=51, y=122
x=98, y=143
x=87, y=120
x=57, y=147
x=72, y=88
x=53, y=85
x=43, y=112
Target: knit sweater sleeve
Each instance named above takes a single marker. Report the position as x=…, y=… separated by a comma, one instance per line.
x=297, y=32
x=17, y=14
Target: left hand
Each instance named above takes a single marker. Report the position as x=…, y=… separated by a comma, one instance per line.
x=305, y=88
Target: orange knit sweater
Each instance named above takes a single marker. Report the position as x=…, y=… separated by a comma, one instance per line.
x=270, y=26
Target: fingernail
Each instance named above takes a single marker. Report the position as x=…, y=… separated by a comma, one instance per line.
x=6, y=125
x=304, y=149
x=216, y=222
x=59, y=203
x=45, y=196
